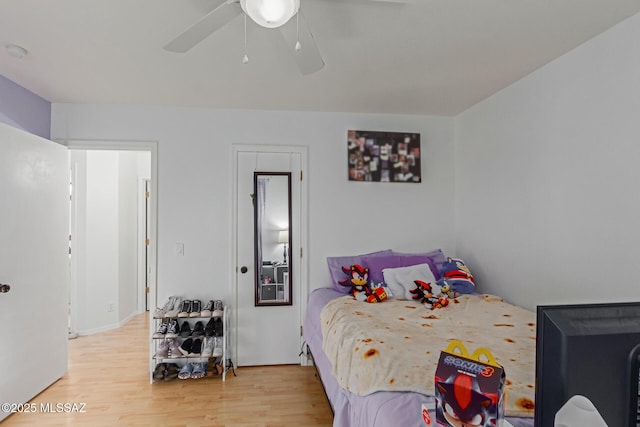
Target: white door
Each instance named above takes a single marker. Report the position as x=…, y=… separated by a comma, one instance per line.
x=267, y=335
x=34, y=262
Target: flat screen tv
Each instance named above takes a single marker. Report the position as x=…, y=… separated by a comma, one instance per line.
x=591, y=350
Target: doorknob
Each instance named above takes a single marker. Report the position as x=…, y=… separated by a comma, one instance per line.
x=243, y=269
x=4, y=289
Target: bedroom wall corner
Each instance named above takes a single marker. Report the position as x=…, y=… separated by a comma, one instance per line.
x=546, y=172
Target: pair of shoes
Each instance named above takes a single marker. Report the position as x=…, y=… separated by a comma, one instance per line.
x=168, y=349
x=193, y=370
x=165, y=371
x=214, y=308
x=212, y=347
x=175, y=309
x=168, y=305
x=191, y=308
x=214, y=327
x=191, y=347
x=185, y=330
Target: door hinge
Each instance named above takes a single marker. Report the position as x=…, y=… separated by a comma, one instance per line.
x=147, y=194
x=300, y=330
x=300, y=175
x=300, y=252
x=147, y=242
x=147, y=289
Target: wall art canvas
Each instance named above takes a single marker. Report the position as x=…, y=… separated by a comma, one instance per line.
x=384, y=156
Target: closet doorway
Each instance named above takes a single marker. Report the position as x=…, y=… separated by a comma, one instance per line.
x=268, y=334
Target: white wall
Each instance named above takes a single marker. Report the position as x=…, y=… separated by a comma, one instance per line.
x=194, y=179
x=105, y=237
x=546, y=172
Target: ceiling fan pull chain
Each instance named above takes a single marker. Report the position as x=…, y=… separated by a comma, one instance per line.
x=298, y=45
x=245, y=58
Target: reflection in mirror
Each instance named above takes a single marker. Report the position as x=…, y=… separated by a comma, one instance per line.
x=272, y=237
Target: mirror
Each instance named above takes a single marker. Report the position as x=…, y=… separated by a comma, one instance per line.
x=272, y=238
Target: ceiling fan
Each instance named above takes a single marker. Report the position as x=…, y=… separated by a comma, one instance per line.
x=267, y=13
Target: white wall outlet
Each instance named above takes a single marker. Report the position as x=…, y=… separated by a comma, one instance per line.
x=180, y=249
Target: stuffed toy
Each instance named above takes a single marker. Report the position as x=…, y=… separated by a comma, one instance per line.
x=358, y=281
x=457, y=277
x=431, y=295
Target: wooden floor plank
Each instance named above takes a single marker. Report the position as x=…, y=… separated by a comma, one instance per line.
x=108, y=374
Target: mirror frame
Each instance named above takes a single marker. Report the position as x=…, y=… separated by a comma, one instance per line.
x=257, y=262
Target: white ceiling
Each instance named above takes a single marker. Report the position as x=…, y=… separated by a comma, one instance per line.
x=435, y=57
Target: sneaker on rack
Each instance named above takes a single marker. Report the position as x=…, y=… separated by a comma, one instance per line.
x=217, y=326
x=159, y=371
x=218, y=309
x=187, y=305
x=185, y=330
x=198, y=329
x=196, y=347
x=210, y=328
x=207, y=310
x=172, y=329
x=173, y=312
x=162, y=330
x=196, y=308
x=186, y=371
x=174, y=348
x=217, y=347
x=171, y=372
x=185, y=348
x=199, y=370
x=207, y=347
x=168, y=305
x=163, y=350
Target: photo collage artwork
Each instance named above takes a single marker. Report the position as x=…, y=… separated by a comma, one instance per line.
x=384, y=156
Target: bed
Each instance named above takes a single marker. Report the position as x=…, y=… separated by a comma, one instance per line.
x=341, y=331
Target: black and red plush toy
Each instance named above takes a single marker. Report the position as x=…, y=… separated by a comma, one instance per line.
x=358, y=281
x=432, y=296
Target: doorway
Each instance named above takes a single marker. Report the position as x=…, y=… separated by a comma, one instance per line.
x=112, y=230
x=257, y=328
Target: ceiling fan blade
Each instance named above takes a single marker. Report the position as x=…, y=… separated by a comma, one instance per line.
x=308, y=57
x=205, y=26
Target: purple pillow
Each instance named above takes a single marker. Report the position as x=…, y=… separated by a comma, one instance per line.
x=437, y=257
x=377, y=263
x=335, y=267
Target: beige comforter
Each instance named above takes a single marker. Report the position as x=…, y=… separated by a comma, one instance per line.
x=395, y=345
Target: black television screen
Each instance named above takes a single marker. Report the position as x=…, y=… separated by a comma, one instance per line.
x=590, y=350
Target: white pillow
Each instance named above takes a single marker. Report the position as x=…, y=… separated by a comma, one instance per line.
x=401, y=279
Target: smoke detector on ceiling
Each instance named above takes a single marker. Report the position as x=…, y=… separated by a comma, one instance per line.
x=16, y=51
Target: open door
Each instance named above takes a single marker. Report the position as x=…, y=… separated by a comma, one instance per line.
x=34, y=263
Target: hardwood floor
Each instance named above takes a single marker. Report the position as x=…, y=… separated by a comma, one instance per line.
x=108, y=373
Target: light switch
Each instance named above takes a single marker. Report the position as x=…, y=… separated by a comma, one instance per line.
x=180, y=249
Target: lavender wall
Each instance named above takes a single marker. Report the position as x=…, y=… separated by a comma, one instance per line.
x=24, y=109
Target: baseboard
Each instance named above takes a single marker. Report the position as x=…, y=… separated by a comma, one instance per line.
x=108, y=327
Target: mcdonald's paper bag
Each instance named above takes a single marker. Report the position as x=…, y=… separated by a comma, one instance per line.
x=469, y=388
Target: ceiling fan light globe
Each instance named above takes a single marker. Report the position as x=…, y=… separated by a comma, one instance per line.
x=270, y=13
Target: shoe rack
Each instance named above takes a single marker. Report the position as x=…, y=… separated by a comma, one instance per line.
x=171, y=350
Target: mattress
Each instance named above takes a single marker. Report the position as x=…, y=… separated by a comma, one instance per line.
x=378, y=409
